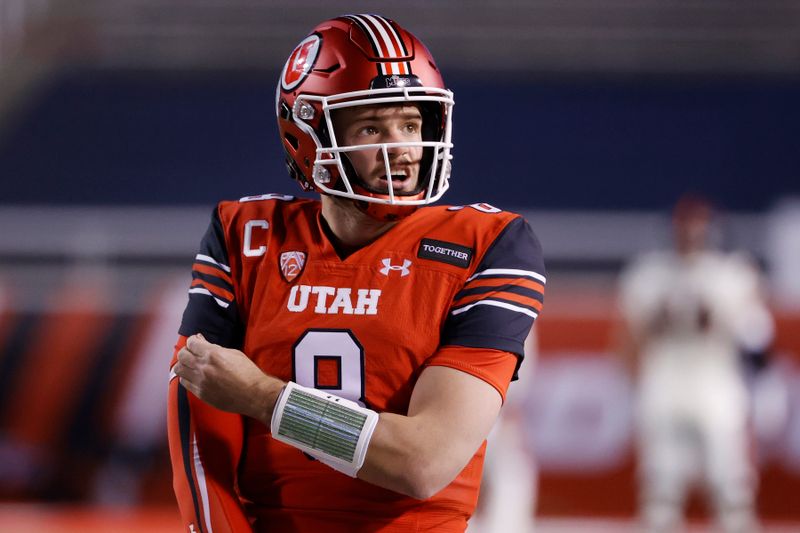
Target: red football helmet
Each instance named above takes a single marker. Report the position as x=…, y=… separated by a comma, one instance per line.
x=358, y=60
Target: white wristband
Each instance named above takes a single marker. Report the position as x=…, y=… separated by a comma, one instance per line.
x=331, y=429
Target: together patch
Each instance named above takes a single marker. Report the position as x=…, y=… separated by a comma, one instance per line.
x=445, y=252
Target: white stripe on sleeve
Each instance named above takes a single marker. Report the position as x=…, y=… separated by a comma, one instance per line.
x=208, y=259
x=495, y=303
x=201, y=482
x=197, y=290
x=508, y=272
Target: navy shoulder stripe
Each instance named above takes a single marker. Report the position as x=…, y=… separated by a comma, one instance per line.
x=212, y=308
x=499, y=302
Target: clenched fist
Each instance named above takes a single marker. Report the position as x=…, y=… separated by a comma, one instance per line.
x=226, y=379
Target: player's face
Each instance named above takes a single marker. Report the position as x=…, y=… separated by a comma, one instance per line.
x=382, y=124
x=692, y=232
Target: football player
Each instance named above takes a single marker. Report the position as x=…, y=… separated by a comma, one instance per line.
x=341, y=360
x=689, y=314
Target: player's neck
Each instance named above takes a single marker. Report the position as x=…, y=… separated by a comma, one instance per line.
x=349, y=228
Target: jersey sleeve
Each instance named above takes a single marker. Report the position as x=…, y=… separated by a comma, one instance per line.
x=748, y=314
x=205, y=446
x=492, y=366
x=499, y=302
x=212, y=309
x=205, y=443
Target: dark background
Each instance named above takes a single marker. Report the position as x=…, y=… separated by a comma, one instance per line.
x=166, y=138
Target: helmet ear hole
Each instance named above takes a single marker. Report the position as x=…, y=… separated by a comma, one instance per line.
x=292, y=140
x=284, y=111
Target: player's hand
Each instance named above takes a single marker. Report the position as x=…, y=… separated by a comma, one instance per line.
x=226, y=379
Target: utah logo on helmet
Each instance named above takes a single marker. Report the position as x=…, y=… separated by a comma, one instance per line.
x=360, y=60
x=300, y=63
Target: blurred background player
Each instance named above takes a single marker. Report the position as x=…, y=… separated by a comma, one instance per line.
x=690, y=314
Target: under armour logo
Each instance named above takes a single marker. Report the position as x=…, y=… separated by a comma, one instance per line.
x=387, y=266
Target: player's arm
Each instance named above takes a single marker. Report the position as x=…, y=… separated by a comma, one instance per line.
x=205, y=442
x=450, y=415
x=626, y=345
x=417, y=454
x=752, y=326
x=641, y=312
x=458, y=396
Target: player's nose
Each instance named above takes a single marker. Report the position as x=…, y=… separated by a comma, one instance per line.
x=394, y=133
x=395, y=136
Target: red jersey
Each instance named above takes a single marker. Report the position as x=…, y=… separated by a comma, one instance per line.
x=450, y=286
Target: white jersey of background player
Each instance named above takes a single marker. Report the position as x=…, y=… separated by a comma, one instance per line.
x=689, y=315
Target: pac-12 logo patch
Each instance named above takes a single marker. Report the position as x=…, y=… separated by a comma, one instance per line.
x=292, y=264
x=300, y=62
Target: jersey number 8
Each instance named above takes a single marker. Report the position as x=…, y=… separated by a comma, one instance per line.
x=330, y=360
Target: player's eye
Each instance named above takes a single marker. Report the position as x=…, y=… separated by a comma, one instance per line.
x=411, y=127
x=368, y=130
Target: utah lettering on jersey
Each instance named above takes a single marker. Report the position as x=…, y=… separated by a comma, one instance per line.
x=333, y=300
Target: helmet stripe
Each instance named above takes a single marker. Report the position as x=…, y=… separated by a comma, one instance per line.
x=385, y=41
x=393, y=42
x=389, y=44
x=374, y=41
x=370, y=37
x=392, y=26
x=403, y=67
x=386, y=44
x=390, y=30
